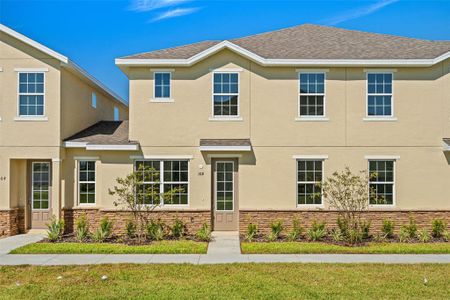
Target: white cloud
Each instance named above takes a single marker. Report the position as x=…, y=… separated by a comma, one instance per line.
x=360, y=12
x=148, y=5
x=176, y=12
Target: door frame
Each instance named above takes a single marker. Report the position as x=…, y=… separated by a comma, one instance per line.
x=235, y=211
x=30, y=199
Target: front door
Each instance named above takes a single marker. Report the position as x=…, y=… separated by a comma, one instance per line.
x=225, y=200
x=40, y=194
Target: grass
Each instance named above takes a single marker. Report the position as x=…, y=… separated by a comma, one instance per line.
x=162, y=247
x=372, y=248
x=236, y=281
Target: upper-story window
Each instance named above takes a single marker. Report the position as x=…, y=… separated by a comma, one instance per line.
x=226, y=95
x=116, y=113
x=162, y=85
x=312, y=95
x=379, y=95
x=31, y=94
x=94, y=100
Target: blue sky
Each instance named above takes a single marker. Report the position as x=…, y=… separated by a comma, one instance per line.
x=94, y=33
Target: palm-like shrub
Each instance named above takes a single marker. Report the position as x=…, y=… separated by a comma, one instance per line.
x=296, y=231
x=252, y=231
x=82, y=228
x=411, y=227
x=55, y=229
x=104, y=230
x=438, y=226
x=155, y=230
x=204, y=234
x=275, y=230
x=317, y=231
x=388, y=228
x=178, y=229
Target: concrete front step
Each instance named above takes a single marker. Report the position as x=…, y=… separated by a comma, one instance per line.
x=224, y=242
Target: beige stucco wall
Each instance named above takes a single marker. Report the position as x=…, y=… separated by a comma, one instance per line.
x=67, y=111
x=77, y=113
x=269, y=107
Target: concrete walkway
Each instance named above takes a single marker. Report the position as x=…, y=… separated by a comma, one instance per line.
x=223, y=249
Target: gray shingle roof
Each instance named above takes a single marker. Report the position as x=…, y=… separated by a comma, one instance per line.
x=104, y=133
x=225, y=142
x=317, y=42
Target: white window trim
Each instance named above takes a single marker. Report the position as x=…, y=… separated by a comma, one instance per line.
x=394, y=185
x=20, y=117
x=77, y=161
x=312, y=158
x=162, y=99
x=215, y=187
x=226, y=118
x=380, y=118
x=307, y=117
x=162, y=182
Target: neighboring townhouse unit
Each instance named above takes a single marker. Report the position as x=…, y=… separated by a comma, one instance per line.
x=44, y=98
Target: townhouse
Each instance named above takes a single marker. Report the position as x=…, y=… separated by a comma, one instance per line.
x=246, y=128
x=44, y=98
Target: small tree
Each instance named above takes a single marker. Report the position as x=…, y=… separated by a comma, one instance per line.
x=349, y=194
x=135, y=194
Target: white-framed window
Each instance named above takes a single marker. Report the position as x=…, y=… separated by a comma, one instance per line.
x=31, y=93
x=162, y=82
x=311, y=94
x=86, y=182
x=160, y=176
x=225, y=94
x=382, y=182
x=116, y=113
x=309, y=180
x=379, y=94
x=94, y=100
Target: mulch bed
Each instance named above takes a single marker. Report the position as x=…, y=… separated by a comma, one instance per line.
x=115, y=239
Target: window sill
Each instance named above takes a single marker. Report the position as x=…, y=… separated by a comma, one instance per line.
x=310, y=206
x=228, y=119
x=162, y=100
x=31, y=119
x=379, y=119
x=312, y=119
x=381, y=206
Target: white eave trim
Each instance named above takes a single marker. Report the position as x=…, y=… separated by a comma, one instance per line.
x=282, y=62
x=34, y=44
x=63, y=59
x=382, y=157
x=318, y=157
x=162, y=156
x=132, y=147
x=75, y=144
x=87, y=146
x=225, y=148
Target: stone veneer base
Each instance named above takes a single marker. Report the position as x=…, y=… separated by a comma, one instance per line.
x=12, y=221
x=263, y=219
x=192, y=219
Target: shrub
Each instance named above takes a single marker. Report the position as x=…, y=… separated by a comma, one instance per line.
x=252, y=231
x=365, y=228
x=343, y=226
x=155, y=230
x=336, y=235
x=204, y=234
x=438, y=226
x=446, y=235
x=403, y=235
x=354, y=236
x=317, y=231
x=296, y=231
x=424, y=236
x=388, y=228
x=130, y=228
x=411, y=228
x=82, y=228
x=104, y=230
x=178, y=229
x=275, y=230
x=55, y=229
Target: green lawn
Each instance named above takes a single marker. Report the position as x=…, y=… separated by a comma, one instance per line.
x=235, y=281
x=162, y=247
x=310, y=248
